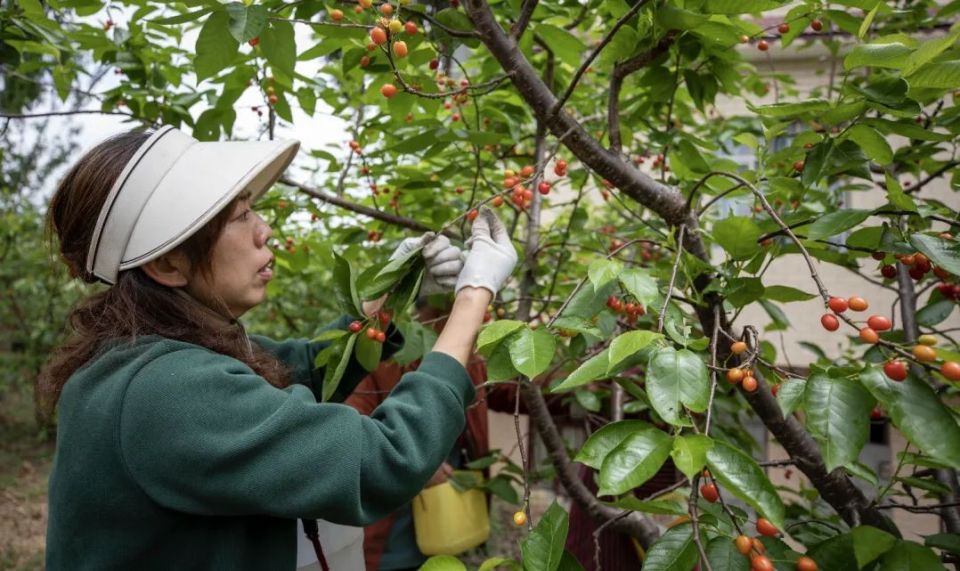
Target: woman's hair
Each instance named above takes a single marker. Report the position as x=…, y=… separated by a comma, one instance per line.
x=136, y=305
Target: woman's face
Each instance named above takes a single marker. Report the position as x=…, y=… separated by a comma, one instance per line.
x=241, y=264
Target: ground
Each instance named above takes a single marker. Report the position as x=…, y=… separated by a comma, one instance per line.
x=24, y=467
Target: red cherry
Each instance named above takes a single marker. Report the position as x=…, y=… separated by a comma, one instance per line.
x=896, y=370
x=763, y=46
x=830, y=322
x=544, y=188
x=870, y=336
x=837, y=304
x=378, y=35
x=381, y=337
x=783, y=28
x=764, y=527
x=472, y=215
x=817, y=25
x=355, y=326
x=253, y=41
x=879, y=323
x=951, y=370
x=371, y=333
x=710, y=493
x=888, y=272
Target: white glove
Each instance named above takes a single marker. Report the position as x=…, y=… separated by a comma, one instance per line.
x=491, y=256
x=443, y=261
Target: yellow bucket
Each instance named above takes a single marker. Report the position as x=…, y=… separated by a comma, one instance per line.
x=448, y=522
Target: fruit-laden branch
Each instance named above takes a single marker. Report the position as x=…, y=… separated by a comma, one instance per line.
x=620, y=72
x=835, y=487
x=366, y=210
x=946, y=476
x=634, y=524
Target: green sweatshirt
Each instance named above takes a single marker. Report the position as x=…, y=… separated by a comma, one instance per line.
x=172, y=456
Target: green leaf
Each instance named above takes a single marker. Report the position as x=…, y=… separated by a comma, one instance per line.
x=674, y=551
x=640, y=284
x=608, y=437
x=937, y=75
x=810, y=106
x=897, y=198
x=936, y=312
x=690, y=453
x=910, y=556
x=740, y=474
x=676, y=378
x=498, y=562
x=817, y=163
x=333, y=375
x=532, y=351
x=495, y=332
x=183, y=18
x=786, y=294
x=215, y=47
x=602, y=271
x=578, y=324
x=872, y=142
x=944, y=253
x=918, y=413
x=865, y=26
x=368, y=351
x=741, y=291
x=946, y=541
x=665, y=506
x=593, y=369
x=629, y=344
x=908, y=129
x=740, y=6
x=543, y=548
x=834, y=223
x=929, y=50
x=246, y=22
x=723, y=555
x=834, y=553
x=790, y=395
x=870, y=543
x=738, y=235
x=344, y=289
x=838, y=417
x=634, y=461
x=565, y=45
x=279, y=46
x=502, y=487
x=443, y=563
x=892, y=55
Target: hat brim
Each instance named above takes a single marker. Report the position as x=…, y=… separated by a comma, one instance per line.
x=204, y=180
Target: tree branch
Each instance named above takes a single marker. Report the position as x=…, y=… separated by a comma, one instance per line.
x=520, y=26
x=620, y=71
x=555, y=109
x=634, y=524
x=365, y=210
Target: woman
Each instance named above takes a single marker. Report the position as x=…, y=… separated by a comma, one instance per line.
x=181, y=442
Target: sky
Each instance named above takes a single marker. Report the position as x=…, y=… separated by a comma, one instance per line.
x=318, y=131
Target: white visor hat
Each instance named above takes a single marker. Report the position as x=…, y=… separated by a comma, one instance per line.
x=170, y=188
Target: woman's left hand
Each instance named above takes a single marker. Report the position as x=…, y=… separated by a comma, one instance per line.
x=443, y=260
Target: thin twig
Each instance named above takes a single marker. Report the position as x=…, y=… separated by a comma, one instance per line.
x=673, y=277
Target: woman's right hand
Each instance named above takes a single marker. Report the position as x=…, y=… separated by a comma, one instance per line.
x=491, y=256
